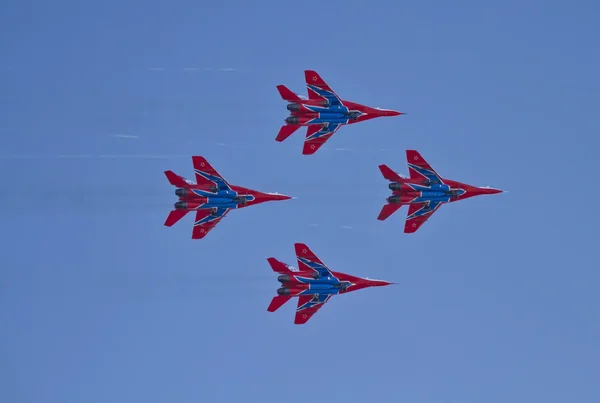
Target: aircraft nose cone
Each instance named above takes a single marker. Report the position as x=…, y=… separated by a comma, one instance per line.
x=270, y=197
x=490, y=191
x=378, y=283
x=389, y=112
x=279, y=197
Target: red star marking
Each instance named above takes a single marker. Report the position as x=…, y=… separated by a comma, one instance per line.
x=315, y=78
x=202, y=164
x=202, y=231
x=304, y=316
x=312, y=146
x=416, y=158
x=304, y=251
x=414, y=225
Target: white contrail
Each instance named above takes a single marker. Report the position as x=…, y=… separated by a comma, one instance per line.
x=125, y=136
x=192, y=69
x=89, y=156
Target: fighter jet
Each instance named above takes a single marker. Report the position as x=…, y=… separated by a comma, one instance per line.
x=424, y=192
x=313, y=283
x=323, y=112
x=211, y=197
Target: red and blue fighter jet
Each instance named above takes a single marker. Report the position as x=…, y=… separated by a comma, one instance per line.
x=313, y=283
x=323, y=112
x=424, y=192
x=211, y=197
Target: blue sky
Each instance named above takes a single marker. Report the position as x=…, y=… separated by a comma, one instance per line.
x=496, y=298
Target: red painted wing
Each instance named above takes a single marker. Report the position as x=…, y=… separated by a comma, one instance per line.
x=204, y=222
x=204, y=171
x=304, y=314
x=414, y=158
x=316, y=136
x=313, y=78
x=418, y=213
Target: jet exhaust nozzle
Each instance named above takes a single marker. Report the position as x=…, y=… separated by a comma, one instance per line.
x=283, y=278
x=394, y=199
x=283, y=291
x=292, y=120
x=181, y=192
x=293, y=107
x=395, y=186
x=181, y=205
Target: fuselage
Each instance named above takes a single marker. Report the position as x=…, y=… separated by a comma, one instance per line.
x=423, y=191
x=300, y=283
x=197, y=198
x=407, y=192
x=302, y=114
x=313, y=112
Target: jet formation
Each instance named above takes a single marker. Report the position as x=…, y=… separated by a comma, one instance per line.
x=211, y=197
x=323, y=112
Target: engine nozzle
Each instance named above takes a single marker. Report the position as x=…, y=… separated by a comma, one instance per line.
x=292, y=120
x=283, y=291
x=293, y=107
x=394, y=199
x=395, y=186
x=283, y=278
x=181, y=205
x=181, y=192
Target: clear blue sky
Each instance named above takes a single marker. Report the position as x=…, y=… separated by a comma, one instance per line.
x=497, y=298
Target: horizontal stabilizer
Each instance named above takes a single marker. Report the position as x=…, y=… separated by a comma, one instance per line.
x=277, y=302
x=278, y=267
x=176, y=180
x=389, y=174
x=175, y=216
x=388, y=210
x=288, y=95
x=286, y=131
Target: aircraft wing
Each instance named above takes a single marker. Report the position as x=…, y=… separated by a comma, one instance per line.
x=307, y=260
x=318, y=88
x=418, y=213
x=419, y=168
x=207, y=175
x=316, y=136
x=205, y=221
x=308, y=305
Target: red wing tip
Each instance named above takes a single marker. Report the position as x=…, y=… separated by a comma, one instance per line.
x=308, y=152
